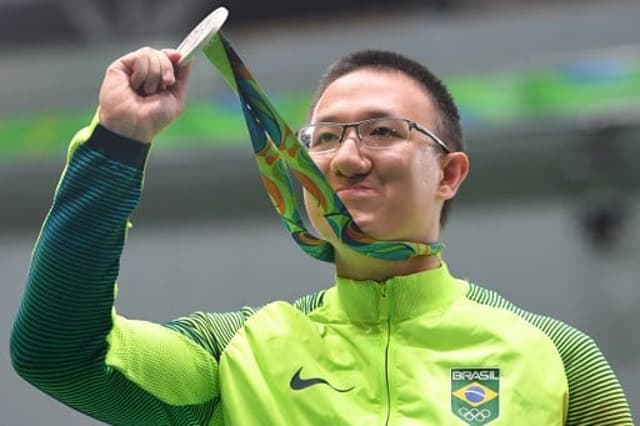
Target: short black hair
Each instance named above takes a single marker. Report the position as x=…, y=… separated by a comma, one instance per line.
x=448, y=126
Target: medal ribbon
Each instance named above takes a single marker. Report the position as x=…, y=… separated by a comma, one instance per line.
x=279, y=155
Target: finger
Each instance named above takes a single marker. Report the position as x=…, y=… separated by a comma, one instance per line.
x=168, y=77
x=182, y=78
x=181, y=72
x=139, y=69
x=154, y=73
x=173, y=55
x=125, y=66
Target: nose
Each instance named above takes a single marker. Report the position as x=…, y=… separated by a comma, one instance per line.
x=350, y=131
x=349, y=160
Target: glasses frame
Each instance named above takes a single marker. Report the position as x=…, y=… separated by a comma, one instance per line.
x=356, y=124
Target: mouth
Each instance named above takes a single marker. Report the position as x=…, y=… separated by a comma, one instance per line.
x=354, y=191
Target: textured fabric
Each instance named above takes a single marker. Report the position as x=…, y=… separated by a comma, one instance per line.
x=164, y=363
x=358, y=353
x=595, y=395
x=394, y=344
x=59, y=340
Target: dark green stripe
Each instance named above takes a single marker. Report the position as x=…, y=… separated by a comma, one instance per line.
x=59, y=337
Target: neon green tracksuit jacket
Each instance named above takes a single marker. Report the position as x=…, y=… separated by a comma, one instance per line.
x=423, y=349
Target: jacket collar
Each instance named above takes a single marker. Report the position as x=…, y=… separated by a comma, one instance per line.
x=397, y=298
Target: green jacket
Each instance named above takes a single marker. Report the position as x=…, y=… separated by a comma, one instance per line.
x=423, y=349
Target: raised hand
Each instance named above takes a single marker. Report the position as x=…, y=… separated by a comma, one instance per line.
x=143, y=92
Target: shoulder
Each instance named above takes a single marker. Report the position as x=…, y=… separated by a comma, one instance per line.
x=214, y=330
x=595, y=394
x=573, y=345
x=310, y=302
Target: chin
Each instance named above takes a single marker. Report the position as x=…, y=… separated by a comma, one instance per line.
x=372, y=229
x=386, y=233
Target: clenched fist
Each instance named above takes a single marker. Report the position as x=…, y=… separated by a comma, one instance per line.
x=143, y=92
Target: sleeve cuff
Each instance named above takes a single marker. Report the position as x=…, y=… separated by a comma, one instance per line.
x=119, y=148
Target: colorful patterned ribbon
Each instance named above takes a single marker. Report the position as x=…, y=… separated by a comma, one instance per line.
x=281, y=153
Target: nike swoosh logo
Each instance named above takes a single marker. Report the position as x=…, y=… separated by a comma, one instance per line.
x=298, y=383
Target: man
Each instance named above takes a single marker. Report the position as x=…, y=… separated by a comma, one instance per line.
x=392, y=342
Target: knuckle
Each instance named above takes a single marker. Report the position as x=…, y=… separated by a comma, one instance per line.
x=110, y=70
x=146, y=50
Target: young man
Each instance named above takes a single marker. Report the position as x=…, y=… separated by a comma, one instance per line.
x=392, y=342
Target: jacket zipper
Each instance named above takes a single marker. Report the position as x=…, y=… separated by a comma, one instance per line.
x=386, y=371
x=386, y=353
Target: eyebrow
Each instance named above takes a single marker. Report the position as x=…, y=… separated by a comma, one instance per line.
x=368, y=114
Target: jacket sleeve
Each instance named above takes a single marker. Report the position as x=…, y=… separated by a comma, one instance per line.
x=67, y=338
x=595, y=394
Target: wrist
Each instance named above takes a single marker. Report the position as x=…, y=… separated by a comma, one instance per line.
x=125, y=129
x=119, y=148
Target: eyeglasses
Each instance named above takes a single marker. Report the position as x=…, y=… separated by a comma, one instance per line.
x=374, y=133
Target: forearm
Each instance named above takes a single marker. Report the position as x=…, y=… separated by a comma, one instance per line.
x=66, y=311
x=59, y=340
x=67, y=339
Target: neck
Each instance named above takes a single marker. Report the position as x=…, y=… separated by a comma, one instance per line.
x=352, y=265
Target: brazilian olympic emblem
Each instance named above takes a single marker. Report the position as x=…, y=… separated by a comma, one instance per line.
x=475, y=394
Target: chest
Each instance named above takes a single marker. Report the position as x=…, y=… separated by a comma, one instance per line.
x=285, y=368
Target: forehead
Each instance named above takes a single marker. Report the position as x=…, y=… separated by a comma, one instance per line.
x=367, y=93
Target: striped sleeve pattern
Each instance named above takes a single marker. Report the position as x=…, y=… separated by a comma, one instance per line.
x=212, y=331
x=595, y=394
x=311, y=302
x=59, y=340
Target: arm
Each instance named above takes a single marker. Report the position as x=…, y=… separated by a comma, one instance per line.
x=595, y=394
x=67, y=339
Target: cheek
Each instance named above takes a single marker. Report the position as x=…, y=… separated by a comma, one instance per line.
x=416, y=183
x=412, y=169
x=322, y=162
x=428, y=169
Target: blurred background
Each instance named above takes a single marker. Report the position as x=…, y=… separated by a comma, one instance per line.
x=550, y=96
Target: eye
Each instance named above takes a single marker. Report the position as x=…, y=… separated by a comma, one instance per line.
x=383, y=131
x=325, y=136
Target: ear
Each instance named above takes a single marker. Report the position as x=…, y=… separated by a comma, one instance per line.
x=455, y=167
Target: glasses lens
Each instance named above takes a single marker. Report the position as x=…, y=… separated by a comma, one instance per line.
x=374, y=133
x=384, y=132
x=320, y=137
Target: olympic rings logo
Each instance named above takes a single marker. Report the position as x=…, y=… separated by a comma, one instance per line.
x=474, y=414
